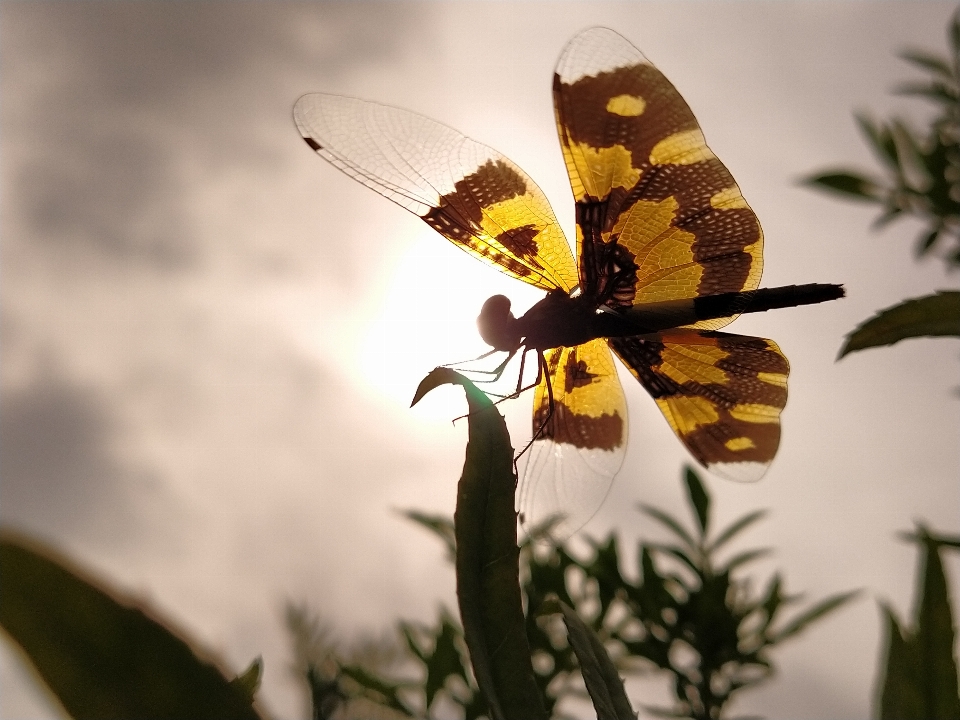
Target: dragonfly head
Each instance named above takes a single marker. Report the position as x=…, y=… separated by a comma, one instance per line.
x=497, y=325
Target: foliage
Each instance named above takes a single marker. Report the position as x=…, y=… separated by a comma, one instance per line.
x=922, y=179
x=104, y=658
x=689, y=614
x=920, y=672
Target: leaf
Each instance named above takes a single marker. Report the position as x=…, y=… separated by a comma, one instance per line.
x=882, y=141
x=698, y=498
x=900, y=695
x=101, y=656
x=848, y=183
x=442, y=661
x=440, y=525
x=248, y=682
x=817, y=611
x=935, y=315
x=935, y=638
x=488, y=583
x=928, y=62
x=599, y=673
x=733, y=530
x=669, y=522
x=384, y=692
x=745, y=557
x=936, y=91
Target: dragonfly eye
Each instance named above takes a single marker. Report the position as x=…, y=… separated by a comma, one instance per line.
x=497, y=324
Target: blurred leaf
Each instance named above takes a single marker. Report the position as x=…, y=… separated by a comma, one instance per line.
x=935, y=315
x=936, y=91
x=104, y=658
x=325, y=694
x=928, y=62
x=384, y=692
x=928, y=240
x=881, y=139
x=817, y=611
x=676, y=552
x=248, y=682
x=599, y=673
x=698, y=498
x=440, y=525
x=734, y=529
x=901, y=696
x=745, y=557
x=442, y=661
x=488, y=584
x=669, y=522
x=848, y=183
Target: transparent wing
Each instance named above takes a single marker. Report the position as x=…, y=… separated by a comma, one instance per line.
x=584, y=437
x=651, y=195
x=468, y=192
x=722, y=394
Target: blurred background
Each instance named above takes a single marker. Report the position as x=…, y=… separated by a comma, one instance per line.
x=211, y=337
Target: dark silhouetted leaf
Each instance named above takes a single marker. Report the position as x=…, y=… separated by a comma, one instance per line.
x=848, y=183
x=382, y=691
x=248, y=682
x=745, y=557
x=488, y=584
x=734, y=529
x=817, y=611
x=439, y=525
x=669, y=522
x=102, y=657
x=901, y=694
x=599, y=673
x=698, y=498
x=928, y=62
x=935, y=315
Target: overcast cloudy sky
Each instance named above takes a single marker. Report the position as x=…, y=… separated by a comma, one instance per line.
x=210, y=337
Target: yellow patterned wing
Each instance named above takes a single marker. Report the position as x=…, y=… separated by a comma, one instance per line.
x=468, y=192
x=582, y=436
x=651, y=196
x=722, y=394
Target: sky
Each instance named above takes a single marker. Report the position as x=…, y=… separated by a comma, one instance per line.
x=210, y=338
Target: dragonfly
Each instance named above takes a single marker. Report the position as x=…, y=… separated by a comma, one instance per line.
x=668, y=252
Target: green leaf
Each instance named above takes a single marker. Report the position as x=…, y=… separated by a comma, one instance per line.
x=935, y=315
x=735, y=529
x=882, y=141
x=383, y=692
x=935, y=638
x=928, y=62
x=699, y=499
x=599, y=673
x=248, y=682
x=817, y=611
x=669, y=522
x=745, y=557
x=104, y=657
x=488, y=582
x=440, y=525
x=936, y=91
x=900, y=693
x=848, y=183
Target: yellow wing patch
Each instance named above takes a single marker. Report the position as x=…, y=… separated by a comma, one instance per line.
x=662, y=195
x=721, y=394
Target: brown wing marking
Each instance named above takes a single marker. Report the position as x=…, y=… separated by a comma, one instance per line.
x=468, y=192
x=589, y=410
x=646, y=180
x=573, y=463
x=722, y=394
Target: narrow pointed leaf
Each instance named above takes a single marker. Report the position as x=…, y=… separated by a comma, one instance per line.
x=817, y=611
x=735, y=529
x=599, y=673
x=248, y=682
x=849, y=183
x=745, y=557
x=440, y=525
x=935, y=639
x=935, y=315
x=101, y=656
x=698, y=498
x=488, y=584
x=669, y=522
x=900, y=695
x=928, y=62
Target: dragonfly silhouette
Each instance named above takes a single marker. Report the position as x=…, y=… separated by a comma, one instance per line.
x=668, y=250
